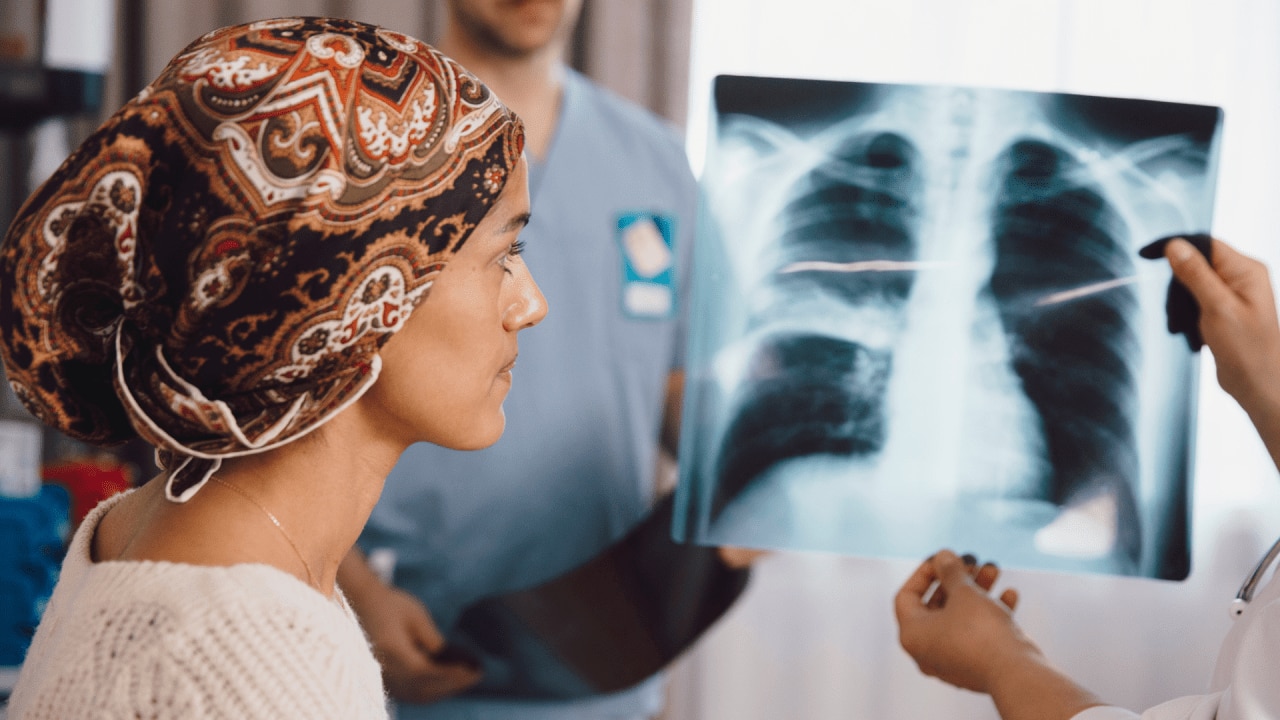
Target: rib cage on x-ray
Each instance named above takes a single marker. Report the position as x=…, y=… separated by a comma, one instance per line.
x=917, y=319
x=815, y=394
x=1052, y=228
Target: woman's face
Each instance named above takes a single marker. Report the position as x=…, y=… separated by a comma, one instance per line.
x=446, y=373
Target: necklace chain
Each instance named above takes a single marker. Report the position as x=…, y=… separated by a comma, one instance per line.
x=274, y=521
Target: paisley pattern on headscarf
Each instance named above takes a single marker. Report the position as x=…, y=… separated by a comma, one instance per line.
x=217, y=266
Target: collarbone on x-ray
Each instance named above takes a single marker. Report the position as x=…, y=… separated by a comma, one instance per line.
x=934, y=329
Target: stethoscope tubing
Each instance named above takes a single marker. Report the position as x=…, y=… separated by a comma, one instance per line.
x=1250, y=585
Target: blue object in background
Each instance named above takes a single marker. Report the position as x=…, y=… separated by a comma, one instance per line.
x=33, y=532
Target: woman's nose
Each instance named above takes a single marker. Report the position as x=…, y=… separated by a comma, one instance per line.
x=530, y=305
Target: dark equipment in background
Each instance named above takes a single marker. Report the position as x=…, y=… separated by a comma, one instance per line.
x=53, y=60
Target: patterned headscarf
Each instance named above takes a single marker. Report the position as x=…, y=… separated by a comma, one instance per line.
x=216, y=268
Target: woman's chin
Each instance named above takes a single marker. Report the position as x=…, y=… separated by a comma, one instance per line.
x=476, y=438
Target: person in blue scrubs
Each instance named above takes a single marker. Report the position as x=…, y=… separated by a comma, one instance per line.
x=609, y=240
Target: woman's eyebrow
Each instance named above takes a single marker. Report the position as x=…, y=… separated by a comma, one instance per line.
x=516, y=223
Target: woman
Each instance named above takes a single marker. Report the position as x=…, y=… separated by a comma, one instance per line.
x=967, y=639
x=291, y=256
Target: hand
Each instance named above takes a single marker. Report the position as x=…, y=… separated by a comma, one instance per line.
x=1237, y=316
x=405, y=640
x=739, y=558
x=958, y=633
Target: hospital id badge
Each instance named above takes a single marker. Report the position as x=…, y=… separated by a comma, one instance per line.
x=646, y=243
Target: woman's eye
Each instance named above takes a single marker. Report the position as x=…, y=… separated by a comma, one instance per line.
x=516, y=248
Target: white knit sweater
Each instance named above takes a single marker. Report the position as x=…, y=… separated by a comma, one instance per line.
x=162, y=641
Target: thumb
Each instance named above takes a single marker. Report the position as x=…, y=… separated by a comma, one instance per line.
x=1194, y=271
x=425, y=633
x=951, y=570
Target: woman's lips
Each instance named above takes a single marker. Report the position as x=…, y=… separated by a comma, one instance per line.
x=507, y=368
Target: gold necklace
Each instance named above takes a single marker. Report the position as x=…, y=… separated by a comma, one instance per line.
x=274, y=521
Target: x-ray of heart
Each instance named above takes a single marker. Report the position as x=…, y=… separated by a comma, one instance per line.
x=919, y=320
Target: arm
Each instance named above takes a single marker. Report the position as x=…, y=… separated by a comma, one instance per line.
x=405, y=639
x=670, y=435
x=964, y=637
x=1238, y=322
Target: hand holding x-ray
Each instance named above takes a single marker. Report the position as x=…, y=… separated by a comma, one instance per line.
x=1238, y=321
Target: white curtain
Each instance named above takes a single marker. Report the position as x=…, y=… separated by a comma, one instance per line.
x=640, y=50
x=814, y=636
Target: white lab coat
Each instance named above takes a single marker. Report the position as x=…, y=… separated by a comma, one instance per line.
x=1246, y=681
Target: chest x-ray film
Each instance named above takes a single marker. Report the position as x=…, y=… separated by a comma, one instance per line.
x=920, y=321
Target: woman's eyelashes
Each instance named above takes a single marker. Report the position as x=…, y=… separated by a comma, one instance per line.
x=515, y=250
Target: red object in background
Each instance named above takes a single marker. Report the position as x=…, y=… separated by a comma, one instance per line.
x=89, y=481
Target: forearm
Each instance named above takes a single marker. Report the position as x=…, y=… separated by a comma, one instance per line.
x=1028, y=688
x=669, y=436
x=1263, y=407
x=356, y=578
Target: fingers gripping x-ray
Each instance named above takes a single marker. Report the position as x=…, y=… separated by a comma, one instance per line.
x=919, y=320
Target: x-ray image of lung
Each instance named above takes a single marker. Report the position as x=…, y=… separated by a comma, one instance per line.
x=919, y=320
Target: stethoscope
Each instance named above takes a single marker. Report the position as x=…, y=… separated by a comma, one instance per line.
x=1251, y=583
